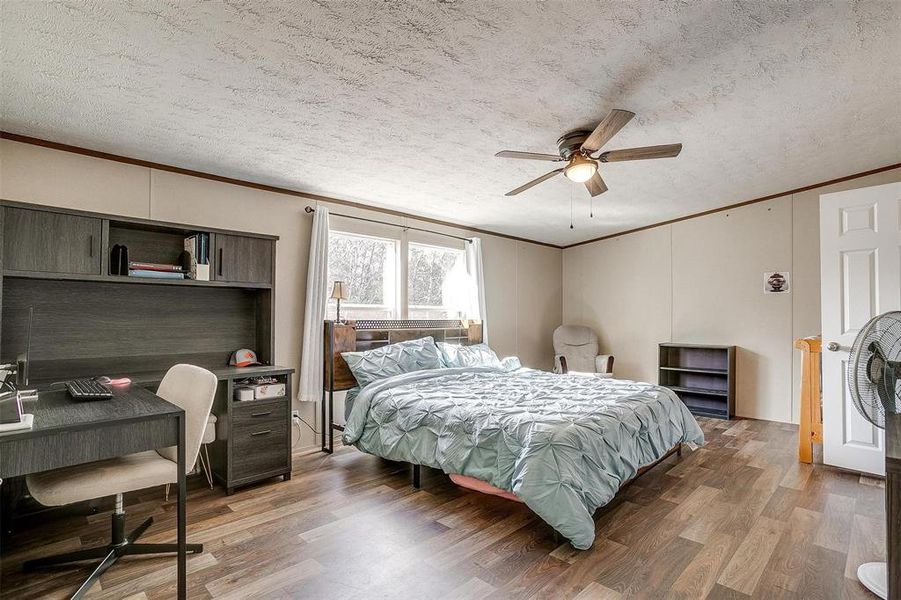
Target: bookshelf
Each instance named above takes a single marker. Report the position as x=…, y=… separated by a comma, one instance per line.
x=703, y=376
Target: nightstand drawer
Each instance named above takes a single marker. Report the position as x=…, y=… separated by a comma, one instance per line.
x=260, y=448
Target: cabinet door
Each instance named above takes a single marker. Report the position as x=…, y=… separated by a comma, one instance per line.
x=36, y=240
x=243, y=259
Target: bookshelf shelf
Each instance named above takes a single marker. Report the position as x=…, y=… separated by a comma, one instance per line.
x=690, y=370
x=699, y=391
x=121, y=279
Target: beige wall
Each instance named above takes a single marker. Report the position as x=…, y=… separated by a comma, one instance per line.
x=523, y=280
x=700, y=281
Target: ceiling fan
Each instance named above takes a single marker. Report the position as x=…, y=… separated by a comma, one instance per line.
x=578, y=147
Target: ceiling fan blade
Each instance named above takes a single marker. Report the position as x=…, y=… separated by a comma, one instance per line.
x=615, y=120
x=596, y=185
x=528, y=155
x=544, y=177
x=664, y=151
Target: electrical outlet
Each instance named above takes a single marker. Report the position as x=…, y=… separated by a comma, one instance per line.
x=295, y=413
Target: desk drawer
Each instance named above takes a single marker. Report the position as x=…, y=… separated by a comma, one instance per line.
x=260, y=438
x=260, y=414
x=258, y=451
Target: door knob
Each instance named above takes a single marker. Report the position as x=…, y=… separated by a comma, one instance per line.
x=833, y=347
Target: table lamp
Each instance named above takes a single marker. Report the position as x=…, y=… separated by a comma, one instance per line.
x=339, y=293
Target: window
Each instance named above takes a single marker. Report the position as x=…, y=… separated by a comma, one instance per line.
x=396, y=278
x=436, y=282
x=368, y=265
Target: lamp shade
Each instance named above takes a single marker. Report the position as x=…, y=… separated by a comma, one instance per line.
x=339, y=291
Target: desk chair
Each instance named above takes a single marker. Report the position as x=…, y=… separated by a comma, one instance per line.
x=188, y=387
x=209, y=436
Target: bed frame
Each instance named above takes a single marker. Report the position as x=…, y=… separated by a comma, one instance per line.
x=354, y=336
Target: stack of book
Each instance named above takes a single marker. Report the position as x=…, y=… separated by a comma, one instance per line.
x=196, y=256
x=155, y=270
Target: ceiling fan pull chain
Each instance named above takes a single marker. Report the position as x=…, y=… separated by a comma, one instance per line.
x=590, y=207
x=571, y=207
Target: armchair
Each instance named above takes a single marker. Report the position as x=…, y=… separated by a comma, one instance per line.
x=576, y=351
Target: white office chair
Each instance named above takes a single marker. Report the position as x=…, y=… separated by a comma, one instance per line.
x=189, y=387
x=576, y=351
x=203, y=457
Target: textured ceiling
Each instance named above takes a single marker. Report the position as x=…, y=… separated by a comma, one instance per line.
x=403, y=104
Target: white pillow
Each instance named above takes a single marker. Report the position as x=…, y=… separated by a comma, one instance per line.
x=511, y=363
x=477, y=355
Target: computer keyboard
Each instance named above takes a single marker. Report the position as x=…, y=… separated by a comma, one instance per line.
x=88, y=389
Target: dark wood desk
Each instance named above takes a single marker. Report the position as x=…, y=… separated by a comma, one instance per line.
x=893, y=502
x=67, y=433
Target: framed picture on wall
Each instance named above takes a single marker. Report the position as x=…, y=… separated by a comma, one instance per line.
x=776, y=282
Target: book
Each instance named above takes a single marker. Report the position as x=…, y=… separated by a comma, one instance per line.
x=155, y=274
x=145, y=266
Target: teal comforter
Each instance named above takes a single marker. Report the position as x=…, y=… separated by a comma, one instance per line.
x=564, y=444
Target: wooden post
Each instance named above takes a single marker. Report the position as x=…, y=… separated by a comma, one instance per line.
x=811, y=430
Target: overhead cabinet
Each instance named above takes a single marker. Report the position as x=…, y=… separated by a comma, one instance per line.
x=243, y=259
x=51, y=242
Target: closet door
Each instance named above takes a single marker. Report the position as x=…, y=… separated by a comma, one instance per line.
x=243, y=259
x=50, y=242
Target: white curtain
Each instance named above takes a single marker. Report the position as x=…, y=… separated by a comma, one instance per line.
x=474, y=268
x=310, y=379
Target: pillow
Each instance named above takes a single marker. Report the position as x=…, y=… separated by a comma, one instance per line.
x=478, y=355
x=511, y=363
x=393, y=359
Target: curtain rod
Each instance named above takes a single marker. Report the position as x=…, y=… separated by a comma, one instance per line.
x=310, y=209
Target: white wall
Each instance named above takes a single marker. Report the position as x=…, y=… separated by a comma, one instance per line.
x=523, y=280
x=701, y=281
x=623, y=276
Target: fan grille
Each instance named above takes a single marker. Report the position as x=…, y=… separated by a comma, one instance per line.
x=865, y=367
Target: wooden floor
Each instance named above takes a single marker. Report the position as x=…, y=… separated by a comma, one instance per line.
x=737, y=518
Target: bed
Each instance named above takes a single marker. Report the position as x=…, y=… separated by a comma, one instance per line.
x=562, y=444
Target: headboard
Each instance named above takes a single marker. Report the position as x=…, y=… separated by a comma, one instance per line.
x=353, y=336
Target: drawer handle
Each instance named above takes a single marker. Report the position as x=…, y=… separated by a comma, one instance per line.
x=264, y=432
x=261, y=414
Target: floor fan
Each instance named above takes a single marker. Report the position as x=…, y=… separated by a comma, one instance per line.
x=874, y=367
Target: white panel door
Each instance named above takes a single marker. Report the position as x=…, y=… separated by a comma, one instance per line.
x=860, y=268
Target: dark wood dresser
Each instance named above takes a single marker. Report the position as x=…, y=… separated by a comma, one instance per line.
x=893, y=502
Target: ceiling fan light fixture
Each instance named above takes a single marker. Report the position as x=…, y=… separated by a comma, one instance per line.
x=580, y=169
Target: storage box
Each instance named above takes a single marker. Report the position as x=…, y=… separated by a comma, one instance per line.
x=202, y=273
x=244, y=393
x=269, y=390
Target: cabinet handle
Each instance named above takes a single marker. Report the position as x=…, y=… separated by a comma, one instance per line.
x=261, y=414
x=220, y=262
x=264, y=432
x=91, y=245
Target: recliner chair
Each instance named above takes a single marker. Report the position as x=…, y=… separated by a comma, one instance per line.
x=576, y=351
